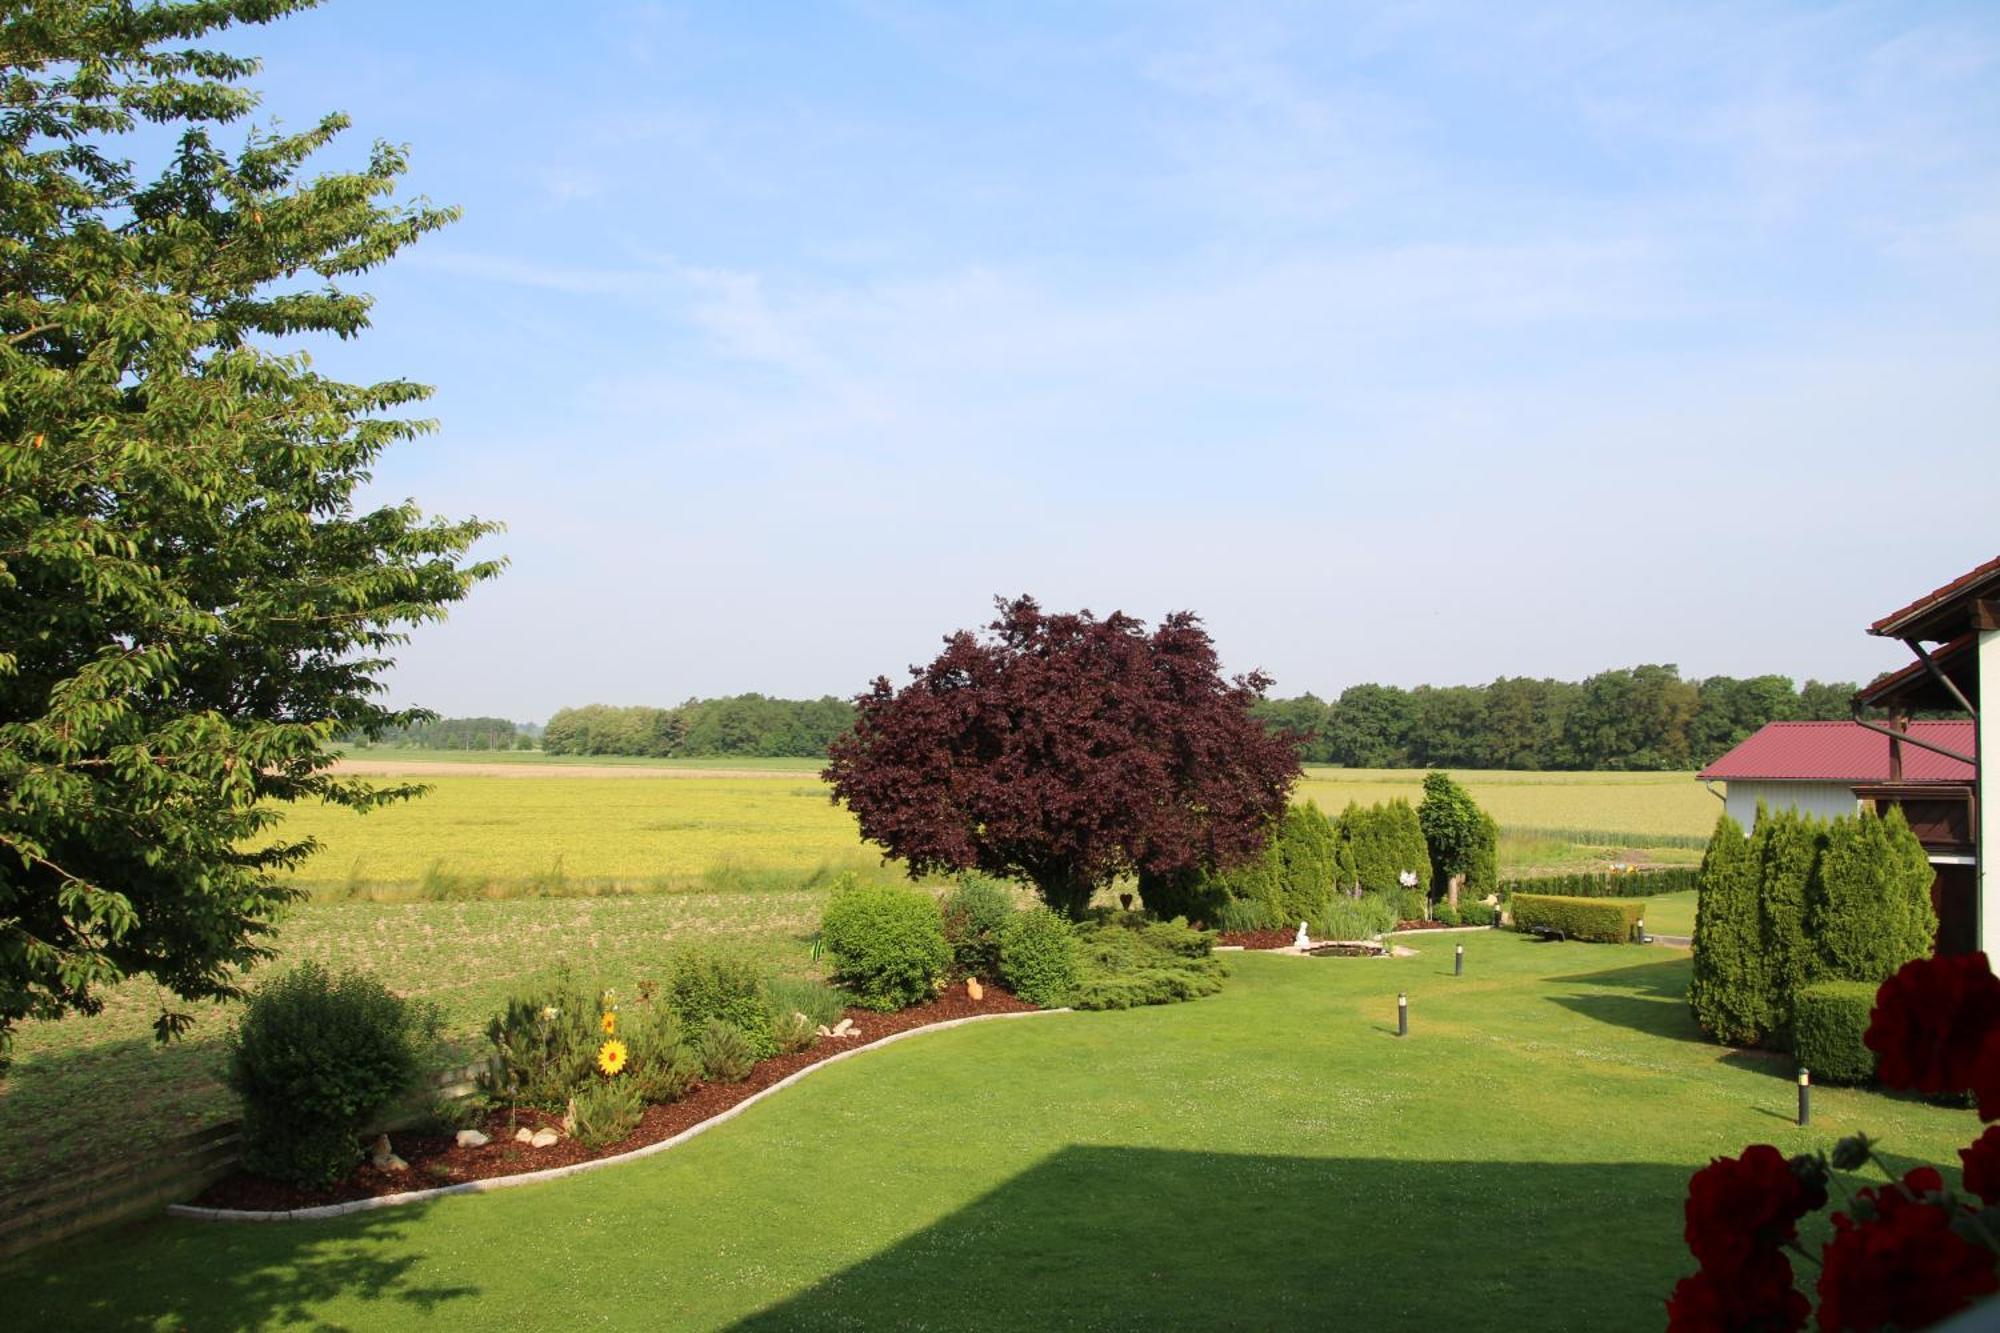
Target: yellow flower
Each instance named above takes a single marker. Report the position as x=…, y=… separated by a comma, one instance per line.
x=611, y=1056
x=609, y=1022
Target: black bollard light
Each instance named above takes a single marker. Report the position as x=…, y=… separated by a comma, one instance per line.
x=1805, y=1097
x=1402, y=1014
x=1458, y=961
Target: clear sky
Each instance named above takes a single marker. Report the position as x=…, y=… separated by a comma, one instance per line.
x=1412, y=342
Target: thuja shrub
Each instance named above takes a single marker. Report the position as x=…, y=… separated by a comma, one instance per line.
x=1730, y=991
x=1829, y=1019
x=1602, y=920
x=973, y=912
x=314, y=1058
x=1038, y=957
x=886, y=944
x=1612, y=884
x=1871, y=910
x=706, y=982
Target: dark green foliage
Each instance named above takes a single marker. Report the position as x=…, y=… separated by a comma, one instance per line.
x=1127, y=962
x=659, y=1061
x=886, y=944
x=544, y=1043
x=706, y=982
x=746, y=724
x=314, y=1058
x=800, y=1008
x=1403, y=904
x=1872, y=911
x=1290, y=881
x=196, y=594
x=1785, y=846
x=1605, y=884
x=1384, y=841
x=1038, y=957
x=1453, y=826
x=1828, y=1020
x=1731, y=989
x=974, y=911
x=451, y=733
x=1602, y=920
x=1474, y=912
x=724, y=1052
x=1482, y=873
x=606, y=1110
x=1199, y=896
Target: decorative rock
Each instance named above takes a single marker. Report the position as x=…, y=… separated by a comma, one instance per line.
x=973, y=990
x=472, y=1138
x=843, y=1027
x=384, y=1157
x=543, y=1138
x=825, y=1031
x=524, y=1135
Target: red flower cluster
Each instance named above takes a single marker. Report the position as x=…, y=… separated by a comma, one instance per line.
x=1905, y=1267
x=1907, y=1254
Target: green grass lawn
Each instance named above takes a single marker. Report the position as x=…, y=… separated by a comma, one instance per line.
x=1671, y=914
x=1273, y=1157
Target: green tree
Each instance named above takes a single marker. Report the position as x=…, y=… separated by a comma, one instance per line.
x=1731, y=989
x=192, y=606
x=1453, y=829
x=1872, y=911
x=1369, y=727
x=1786, y=847
x=1384, y=841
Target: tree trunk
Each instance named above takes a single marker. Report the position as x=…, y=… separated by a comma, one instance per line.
x=1067, y=892
x=1451, y=888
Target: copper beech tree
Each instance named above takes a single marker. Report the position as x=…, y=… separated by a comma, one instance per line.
x=1066, y=750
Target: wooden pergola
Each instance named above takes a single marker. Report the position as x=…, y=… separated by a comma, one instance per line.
x=1957, y=827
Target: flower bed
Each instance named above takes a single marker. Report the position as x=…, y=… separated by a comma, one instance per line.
x=437, y=1160
x=1257, y=939
x=1404, y=927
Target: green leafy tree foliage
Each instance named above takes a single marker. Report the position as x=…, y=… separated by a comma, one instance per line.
x=1290, y=881
x=191, y=604
x=1383, y=841
x=1452, y=825
x=1786, y=847
x=1872, y=910
x=1731, y=989
x=745, y=724
x=1369, y=727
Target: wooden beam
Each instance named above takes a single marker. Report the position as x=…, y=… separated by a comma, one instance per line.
x=1986, y=614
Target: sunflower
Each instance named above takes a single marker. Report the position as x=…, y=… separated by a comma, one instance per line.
x=609, y=1022
x=611, y=1056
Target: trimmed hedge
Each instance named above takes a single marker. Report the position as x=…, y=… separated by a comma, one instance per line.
x=1602, y=884
x=1828, y=1020
x=1604, y=920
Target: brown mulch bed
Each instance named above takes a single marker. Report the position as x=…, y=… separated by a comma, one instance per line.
x=1258, y=939
x=1422, y=925
x=436, y=1159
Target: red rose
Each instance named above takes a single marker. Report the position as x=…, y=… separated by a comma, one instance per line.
x=1982, y=1165
x=1903, y=1268
x=1758, y=1298
x=1931, y=1022
x=1741, y=1207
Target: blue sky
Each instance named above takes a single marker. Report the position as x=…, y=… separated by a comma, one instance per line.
x=1410, y=343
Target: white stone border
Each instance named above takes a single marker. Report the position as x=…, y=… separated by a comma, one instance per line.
x=1446, y=930
x=325, y=1210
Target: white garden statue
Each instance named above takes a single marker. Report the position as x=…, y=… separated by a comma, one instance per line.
x=1302, y=942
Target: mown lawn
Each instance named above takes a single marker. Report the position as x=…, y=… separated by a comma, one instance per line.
x=1270, y=1158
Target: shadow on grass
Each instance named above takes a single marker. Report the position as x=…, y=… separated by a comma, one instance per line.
x=1099, y=1237
x=1645, y=997
x=261, y=1275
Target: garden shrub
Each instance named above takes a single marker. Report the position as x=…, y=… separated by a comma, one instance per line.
x=1403, y=904
x=1730, y=991
x=725, y=1053
x=1603, y=920
x=1828, y=1020
x=605, y=1110
x=313, y=1060
x=1871, y=909
x=1633, y=883
x=1360, y=918
x=1785, y=847
x=886, y=944
x=544, y=1044
x=1458, y=835
x=974, y=911
x=800, y=1007
x=1038, y=957
x=1121, y=965
x=1289, y=881
x=660, y=1062
x=1385, y=840
x=707, y=982
x=1444, y=913
x=1473, y=912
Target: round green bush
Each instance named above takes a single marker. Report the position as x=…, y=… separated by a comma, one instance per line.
x=1828, y=1020
x=1038, y=958
x=885, y=944
x=314, y=1059
x=974, y=912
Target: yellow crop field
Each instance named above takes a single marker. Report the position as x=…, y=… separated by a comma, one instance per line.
x=475, y=834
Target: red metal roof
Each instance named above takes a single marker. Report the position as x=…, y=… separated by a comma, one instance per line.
x=1893, y=623
x=1843, y=752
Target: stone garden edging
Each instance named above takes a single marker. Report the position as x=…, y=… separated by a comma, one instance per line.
x=326, y=1210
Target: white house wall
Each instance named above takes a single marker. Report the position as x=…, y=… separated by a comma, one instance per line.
x=1828, y=800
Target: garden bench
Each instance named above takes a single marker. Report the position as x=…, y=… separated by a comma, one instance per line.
x=1547, y=932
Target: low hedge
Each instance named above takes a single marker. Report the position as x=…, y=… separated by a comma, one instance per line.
x=1604, y=920
x=1604, y=884
x=1828, y=1018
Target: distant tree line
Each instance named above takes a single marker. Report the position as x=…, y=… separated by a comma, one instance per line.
x=1643, y=717
x=744, y=724
x=461, y=733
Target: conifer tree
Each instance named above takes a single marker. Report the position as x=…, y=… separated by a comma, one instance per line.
x=1787, y=846
x=1872, y=911
x=1730, y=992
